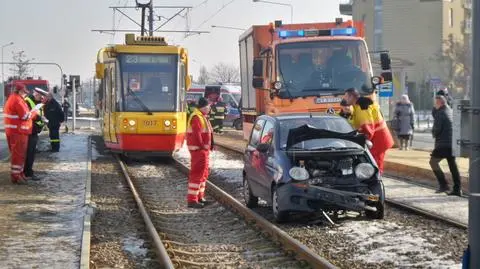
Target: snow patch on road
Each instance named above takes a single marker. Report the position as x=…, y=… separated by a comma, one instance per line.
x=220, y=164
x=384, y=241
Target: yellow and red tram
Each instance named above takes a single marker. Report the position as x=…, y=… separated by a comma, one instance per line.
x=144, y=83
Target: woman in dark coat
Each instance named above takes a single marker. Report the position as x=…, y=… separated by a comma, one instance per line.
x=405, y=118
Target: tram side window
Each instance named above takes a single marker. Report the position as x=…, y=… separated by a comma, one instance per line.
x=118, y=89
x=108, y=91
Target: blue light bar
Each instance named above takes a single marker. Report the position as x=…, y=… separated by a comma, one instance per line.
x=343, y=31
x=294, y=33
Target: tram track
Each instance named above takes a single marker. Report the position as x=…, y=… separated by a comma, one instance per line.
x=224, y=234
x=401, y=240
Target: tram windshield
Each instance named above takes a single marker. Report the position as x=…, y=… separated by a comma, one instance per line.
x=149, y=82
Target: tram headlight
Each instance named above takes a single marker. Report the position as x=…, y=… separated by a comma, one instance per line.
x=132, y=122
x=167, y=123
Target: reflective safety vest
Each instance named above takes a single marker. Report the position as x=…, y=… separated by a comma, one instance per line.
x=369, y=121
x=220, y=111
x=32, y=104
x=17, y=116
x=199, y=131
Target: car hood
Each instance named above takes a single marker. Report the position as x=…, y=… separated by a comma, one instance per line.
x=307, y=132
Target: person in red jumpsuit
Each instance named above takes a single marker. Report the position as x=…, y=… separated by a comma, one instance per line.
x=199, y=142
x=368, y=120
x=18, y=126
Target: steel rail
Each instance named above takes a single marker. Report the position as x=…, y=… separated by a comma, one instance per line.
x=394, y=203
x=290, y=244
x=163, y=256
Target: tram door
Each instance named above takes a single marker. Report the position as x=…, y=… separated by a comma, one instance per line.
x=114, y=104
x=106, y=105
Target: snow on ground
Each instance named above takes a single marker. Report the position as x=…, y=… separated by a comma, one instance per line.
x=385, y=241
x=220, y=164
x=41, y=223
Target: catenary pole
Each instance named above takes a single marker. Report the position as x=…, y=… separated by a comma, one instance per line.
x=474, y=178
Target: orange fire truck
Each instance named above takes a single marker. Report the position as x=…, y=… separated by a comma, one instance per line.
x=304, y=67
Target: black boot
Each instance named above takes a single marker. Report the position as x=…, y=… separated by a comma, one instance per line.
x=195, y=205
x=205, y=202
x=456, y=192
x=442, y=189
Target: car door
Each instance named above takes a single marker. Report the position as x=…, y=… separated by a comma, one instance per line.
x=251, y=157
x=266, y=169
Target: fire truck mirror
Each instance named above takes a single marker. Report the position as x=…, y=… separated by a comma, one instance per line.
x=385, y=61
x=258, y=68
x=257, y=83
x=99, y=70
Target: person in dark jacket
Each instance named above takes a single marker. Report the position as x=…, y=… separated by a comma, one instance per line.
x=442, y=132
x=66, y=107
x=443, y=92
x=37, y=126
x=220, y=109
x=54, y=114
x=405, y=119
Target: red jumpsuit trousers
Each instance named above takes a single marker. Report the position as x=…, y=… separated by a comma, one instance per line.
x=198, y=175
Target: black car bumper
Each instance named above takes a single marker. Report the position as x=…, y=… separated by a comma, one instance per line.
x=299, y=197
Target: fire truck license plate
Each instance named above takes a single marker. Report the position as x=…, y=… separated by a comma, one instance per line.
x=327, y=100
x=150, y=123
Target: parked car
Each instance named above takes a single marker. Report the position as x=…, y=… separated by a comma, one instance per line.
x=311, y=163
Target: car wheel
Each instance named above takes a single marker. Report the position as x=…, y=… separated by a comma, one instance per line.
x=250, y=200
x=279, y=216
x=379, y=189
x=238, y=124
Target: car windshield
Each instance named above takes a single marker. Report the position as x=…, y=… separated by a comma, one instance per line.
x=237, y=97
x=334, y=124
x=151, y=80
x=323, y=67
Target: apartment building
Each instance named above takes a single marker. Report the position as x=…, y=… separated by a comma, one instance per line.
x=414, y=31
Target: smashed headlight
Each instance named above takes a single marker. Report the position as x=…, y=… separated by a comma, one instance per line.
x=299, y=173
x=364, y=171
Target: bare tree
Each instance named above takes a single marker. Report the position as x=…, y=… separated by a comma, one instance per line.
x=455, y=61
x=21, y=68
x=204, y=76
x=225, y=73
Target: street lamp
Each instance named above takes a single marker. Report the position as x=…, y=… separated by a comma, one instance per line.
x=228, y=27
x=4, y=46
x=280, y=4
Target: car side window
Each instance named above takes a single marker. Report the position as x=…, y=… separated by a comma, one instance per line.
x=256, y=133
x=267, y=134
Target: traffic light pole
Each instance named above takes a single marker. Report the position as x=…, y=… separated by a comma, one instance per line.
x=74, y=115
x=474, y=178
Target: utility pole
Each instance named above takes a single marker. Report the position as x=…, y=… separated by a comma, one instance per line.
x=150, y=19
x=74, y=115
x=474, y=178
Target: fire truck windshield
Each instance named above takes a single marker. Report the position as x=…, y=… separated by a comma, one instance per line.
x=322, y=67
x=148, y=81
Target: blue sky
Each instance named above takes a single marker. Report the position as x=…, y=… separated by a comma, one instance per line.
x=60, y=30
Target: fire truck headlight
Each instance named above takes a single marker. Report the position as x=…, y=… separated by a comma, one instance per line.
x=277, y=85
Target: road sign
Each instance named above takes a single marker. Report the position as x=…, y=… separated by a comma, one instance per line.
x=385, y=90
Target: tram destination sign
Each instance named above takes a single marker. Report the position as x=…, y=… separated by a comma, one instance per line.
x=147, y=59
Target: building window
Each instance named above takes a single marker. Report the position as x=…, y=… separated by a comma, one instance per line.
x=450, y=17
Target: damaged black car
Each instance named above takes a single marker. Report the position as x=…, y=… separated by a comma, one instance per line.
x=304, y=163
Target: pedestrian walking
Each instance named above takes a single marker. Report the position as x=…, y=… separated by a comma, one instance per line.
x=18, y=126
x=199, y=142
x=405, y=121
x=442, y=132
x=54, y=114
x=220, y=109
x=443, y=92
x=65, y=107
x=37, y=126
x=368, y=119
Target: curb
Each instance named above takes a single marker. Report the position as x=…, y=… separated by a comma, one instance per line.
x=85, y=248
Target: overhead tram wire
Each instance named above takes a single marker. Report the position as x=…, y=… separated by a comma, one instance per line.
x=211, y=16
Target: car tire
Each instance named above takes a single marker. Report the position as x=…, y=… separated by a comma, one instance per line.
x=250, y=200
x=238, y=124
x=379, y=189
x=279, y=216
